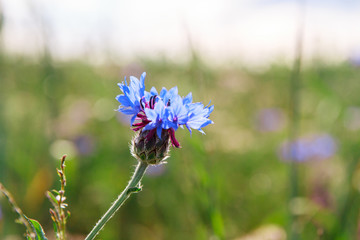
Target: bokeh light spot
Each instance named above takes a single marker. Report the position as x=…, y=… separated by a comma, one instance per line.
x=61, y=147
x=103, y=109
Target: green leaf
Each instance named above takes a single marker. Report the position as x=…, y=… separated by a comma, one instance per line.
x=55, y=227
x=54, y=191
x=52, y=199
x=52, y=196
x=37, y=228
x=133, y=190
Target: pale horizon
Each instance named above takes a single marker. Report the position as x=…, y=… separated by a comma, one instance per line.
x=252, y=32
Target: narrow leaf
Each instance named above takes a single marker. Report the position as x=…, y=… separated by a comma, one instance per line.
x=55, y=227
x=52, y=199
x=35, y=225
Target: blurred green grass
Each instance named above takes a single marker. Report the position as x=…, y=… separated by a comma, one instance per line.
x=219, y=186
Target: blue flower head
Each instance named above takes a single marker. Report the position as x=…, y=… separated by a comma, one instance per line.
x=130, y=100
x=161, y=113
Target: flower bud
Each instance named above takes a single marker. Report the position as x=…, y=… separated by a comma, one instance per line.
x=148, y=147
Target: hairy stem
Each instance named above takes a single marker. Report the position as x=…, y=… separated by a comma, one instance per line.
x=22, y=219
x=130, y=188
x=61, y=206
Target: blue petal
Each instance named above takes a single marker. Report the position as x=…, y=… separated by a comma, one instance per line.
x=160, y=109
x=207, y=123
x=200, y=130
x=158, y=131
x=179, y=110
x=150, y=126
x=130, y=100
x=125, y=101
x=172, y=125
x=128, y=111
x=170, y=95
x=197, y=123
x=163, y=92
x=132, y=119
x=173, y=91
x=151, y=114
x=188, y=127
x=166, y=124
x=198, y=116
x=153, y=91
x=187, y=99
x=142, y=84
x=147, y=96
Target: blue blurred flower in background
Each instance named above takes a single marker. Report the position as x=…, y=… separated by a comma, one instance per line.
x=156, y=170
x=167, y=111
x=318, y=147
x=85, y=145
x=355, y=58
x=269, y=120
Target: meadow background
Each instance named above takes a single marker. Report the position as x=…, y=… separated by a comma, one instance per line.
x=280, y=162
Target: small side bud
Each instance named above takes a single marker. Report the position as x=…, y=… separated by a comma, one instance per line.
x=147, y=147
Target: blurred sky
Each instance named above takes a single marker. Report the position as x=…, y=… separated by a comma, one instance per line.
x=251, y=31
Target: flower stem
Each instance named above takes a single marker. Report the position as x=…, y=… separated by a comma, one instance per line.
x=295, y=100
x=130, y=188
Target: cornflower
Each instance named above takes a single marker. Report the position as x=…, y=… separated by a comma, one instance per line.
x=157, y=116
